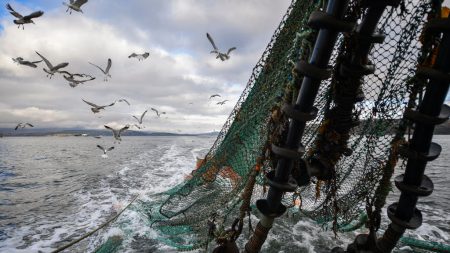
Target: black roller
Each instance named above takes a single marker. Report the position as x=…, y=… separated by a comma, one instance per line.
x=288, y=153
x=289, y=186
x=433, y=74
x=322, y=20
x=425, y=189
x=413, y=223
x=433, y=152
x=417, y=116
x=304, y=68
x=295, y=114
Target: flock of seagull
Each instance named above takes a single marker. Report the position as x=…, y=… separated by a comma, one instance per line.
x=75, y=79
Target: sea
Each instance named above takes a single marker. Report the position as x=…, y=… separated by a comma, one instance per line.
x=55, y=189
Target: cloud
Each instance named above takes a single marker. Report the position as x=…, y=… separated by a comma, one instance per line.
x=178, y=77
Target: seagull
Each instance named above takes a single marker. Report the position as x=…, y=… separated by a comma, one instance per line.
x=21, y=20
x=52, y=69
x=140, y=119
x=123, y=100
x=140, y=57
x=23, y=125
x=117, y=132
x=21, y=61
x=222, y=102
x=73, y=82
x=75, y=5
x=157, y=112
x=105, y=150
x=96, y=108
x=219, y=55
x=106, y=71
x=215, y=95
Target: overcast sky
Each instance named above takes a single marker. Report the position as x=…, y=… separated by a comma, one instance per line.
x=179, y=71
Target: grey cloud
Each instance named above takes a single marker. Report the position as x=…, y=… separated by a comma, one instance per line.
x=179, y=70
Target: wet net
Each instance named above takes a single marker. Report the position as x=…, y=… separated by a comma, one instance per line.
x=222, y=186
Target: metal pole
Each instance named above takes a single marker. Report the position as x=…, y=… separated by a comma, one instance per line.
x=421, y=150
x=330, y=24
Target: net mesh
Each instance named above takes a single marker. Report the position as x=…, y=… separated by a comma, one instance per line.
x=214, y=191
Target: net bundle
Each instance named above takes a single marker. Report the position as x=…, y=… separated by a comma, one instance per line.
x=205, y=205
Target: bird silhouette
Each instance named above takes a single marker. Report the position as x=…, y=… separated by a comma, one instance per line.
x=22, y=20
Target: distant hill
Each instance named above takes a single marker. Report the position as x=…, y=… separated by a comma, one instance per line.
x=443, y=129
x=89, y=132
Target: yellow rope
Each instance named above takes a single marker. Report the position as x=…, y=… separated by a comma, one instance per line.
x=95, y=230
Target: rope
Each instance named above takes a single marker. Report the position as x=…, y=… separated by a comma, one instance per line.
x=95, y=230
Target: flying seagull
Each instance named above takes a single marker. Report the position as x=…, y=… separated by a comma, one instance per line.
x=75, y=5
x=52, y=69
x=219, y=55
x=215, y=95
x=117, y=132
x=74, y=83
x=140, y=119
x=22, y=20
x=123, y=100
x=222, y=102
x=157, y=112
x=96, y=108
x=106, y=71
x=21, y=61
x=23, y=125
x=105, y=150
x=140, y=57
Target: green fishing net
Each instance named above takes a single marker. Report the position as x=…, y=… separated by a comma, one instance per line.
x=215, y=189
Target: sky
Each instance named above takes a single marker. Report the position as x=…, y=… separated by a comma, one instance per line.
x=178, y=77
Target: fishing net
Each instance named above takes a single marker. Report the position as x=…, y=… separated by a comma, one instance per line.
x=241, y=154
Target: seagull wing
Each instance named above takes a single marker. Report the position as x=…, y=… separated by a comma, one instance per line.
x=111, y=148
x=212, y=41
x=66, y=73
x=102, y=148
x=153, y=109
x=107, y=127
x=18, y=125
x=13, y=12
x=231, y=49
x=91, y=104
x=97, y=67
x=132, y=55
x=28, y=124
x=60, y=66
x=146, y=55
x=136, y=118
x=35, y=14
x=69, y=79
x=108, y=66
x=123, y=129
x=124, y=100
x=49, y=65
x=34, y=62
x=29, y=64
x=79, y=2
x=143, y=114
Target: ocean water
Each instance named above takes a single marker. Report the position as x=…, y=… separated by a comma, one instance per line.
x=55, y=189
